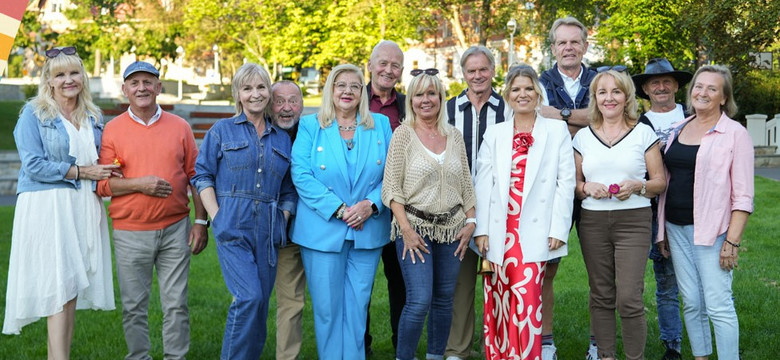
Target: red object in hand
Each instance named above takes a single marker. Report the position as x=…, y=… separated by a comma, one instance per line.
x=614, y=189
x=118, y=161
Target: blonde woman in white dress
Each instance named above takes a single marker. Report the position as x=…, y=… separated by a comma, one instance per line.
x=60, y=254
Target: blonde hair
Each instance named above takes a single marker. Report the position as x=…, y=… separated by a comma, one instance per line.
x=626, y=85
x=730, y=107
x=525, y=71
x=246, y=74
x=44, y=105
x=418, y=85
x=328, y=112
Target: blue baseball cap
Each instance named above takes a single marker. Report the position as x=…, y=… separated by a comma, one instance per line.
x=140, y=66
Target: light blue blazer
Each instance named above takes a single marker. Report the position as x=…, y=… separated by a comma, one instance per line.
x=319, y=172
x=548, y=192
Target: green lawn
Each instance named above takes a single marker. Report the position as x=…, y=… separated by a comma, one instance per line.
x=98, y=335
x=9, y=113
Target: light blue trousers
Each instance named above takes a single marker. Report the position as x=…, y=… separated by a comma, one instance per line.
x=340, y=285
x=706, y=293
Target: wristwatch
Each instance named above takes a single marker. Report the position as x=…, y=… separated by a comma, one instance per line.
x=565, y=114
x=205, y=223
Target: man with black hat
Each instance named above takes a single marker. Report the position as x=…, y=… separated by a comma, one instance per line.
x=150, y=211
x=659, y=83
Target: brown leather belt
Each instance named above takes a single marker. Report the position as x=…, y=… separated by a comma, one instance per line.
x=436, y=219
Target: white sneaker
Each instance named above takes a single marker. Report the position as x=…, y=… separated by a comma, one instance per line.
x=593, y=353
x=549, y=352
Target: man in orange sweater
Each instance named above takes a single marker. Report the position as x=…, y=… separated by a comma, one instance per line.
x=150, y=212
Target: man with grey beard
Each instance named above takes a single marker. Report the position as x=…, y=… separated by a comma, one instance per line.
x=287, y=106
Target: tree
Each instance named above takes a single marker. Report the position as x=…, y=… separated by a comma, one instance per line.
x=638, y=30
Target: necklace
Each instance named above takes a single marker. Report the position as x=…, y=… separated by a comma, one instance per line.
x=611, y=140
x=348, y=127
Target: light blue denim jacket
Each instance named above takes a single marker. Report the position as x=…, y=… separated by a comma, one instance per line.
x=250, y=175
x=44, y=148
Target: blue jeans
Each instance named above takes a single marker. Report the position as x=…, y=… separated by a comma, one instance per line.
x=669, y=321
x=706, y=293
x=430, y=286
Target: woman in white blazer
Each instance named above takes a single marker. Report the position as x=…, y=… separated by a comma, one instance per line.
x=525, y=191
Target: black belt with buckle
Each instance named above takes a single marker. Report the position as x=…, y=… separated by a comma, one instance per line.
x=436, y=219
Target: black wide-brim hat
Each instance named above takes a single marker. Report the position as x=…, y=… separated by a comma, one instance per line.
x=657, y=67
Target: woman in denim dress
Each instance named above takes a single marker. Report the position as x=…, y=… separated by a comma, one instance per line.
x=243, y=178
x=60, y=252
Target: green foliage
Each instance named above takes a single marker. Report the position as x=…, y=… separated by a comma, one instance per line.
x=689, y=33
x=758, y=92
x=455, y=88
x=638, y=30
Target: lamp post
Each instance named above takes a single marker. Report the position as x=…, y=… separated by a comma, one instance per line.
x=180, y=53
x=216, y=62
x=511, y=25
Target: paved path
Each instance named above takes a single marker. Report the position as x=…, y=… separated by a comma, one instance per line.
x=770, y=173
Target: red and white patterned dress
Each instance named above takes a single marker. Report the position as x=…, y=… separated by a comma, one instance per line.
x=513, y=293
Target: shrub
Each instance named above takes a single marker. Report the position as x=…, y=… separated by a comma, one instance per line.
x=757, y=92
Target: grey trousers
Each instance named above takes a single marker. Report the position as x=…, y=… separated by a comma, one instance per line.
x=138, y=253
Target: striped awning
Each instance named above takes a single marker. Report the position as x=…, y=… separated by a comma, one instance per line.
x=11, y=12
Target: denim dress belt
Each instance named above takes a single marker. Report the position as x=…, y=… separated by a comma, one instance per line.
x=272, y=256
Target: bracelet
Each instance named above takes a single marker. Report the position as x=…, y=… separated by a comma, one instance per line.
x=471, y=221
x=583, y=189
x=203, y=222
x=731, y=243
x=340, y=211
x=78, y=172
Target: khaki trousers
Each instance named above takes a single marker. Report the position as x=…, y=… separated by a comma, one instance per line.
x=137, y=254
x=462, y=329
x=290, y=298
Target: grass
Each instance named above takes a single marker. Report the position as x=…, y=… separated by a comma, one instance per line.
x=9, y=113
x=98, y=335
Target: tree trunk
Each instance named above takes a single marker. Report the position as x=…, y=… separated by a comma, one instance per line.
x=484, y=22
x=457, y=26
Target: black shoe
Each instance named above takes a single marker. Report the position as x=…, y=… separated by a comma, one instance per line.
x=671, y=354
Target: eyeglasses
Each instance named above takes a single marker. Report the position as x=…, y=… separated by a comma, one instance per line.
x=431, y=72
x=618, y=68
x=54, y=52
x=353, y=87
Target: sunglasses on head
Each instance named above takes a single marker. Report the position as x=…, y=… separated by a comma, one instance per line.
x=53, y=53
x=431, y=72
x=618, y=68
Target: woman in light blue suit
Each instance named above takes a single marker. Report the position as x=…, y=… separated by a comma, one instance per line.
x=525, y=191
x=338, y=162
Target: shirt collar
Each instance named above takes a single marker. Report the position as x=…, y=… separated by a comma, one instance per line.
x=567, y=78
x=379, y=99
x=154, y=118
x=463, y=100
x=269, y=126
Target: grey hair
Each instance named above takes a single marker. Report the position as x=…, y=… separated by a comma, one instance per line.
x=286, y=82
x=382, y=44
x=477, y=49
x=570, y=21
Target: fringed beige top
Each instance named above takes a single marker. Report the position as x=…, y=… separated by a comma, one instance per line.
x=413, y=177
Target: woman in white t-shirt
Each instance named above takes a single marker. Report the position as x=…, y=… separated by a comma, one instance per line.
x=612, y=156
